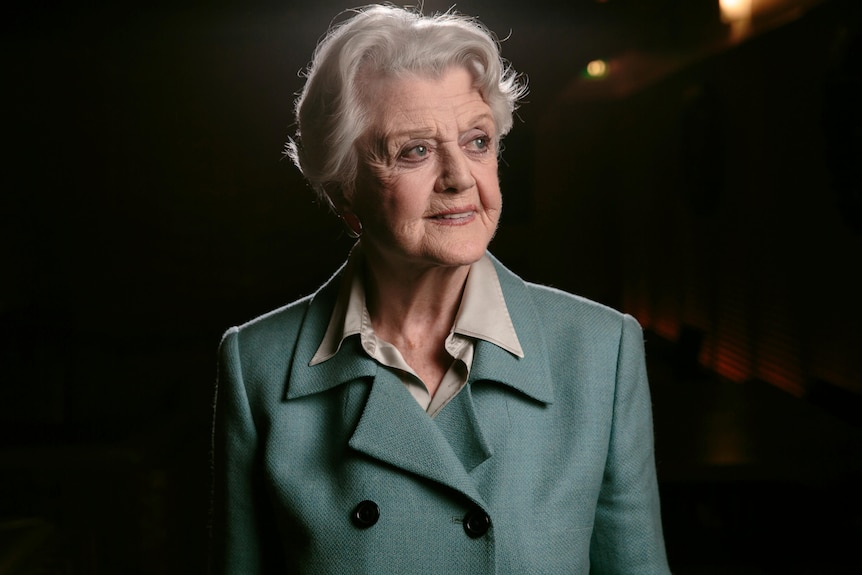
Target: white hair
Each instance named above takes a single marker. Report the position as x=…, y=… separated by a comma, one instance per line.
x=385, y=40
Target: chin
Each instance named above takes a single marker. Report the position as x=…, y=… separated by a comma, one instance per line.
x=463, y=255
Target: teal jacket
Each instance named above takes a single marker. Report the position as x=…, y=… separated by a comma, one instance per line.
x=540, y=465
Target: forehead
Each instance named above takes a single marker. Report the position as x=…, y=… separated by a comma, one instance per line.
x=415, y=102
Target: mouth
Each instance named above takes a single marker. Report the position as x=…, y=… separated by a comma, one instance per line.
x=461, y=215
x=457, y=216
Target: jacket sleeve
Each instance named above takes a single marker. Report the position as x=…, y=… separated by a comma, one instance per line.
x=241, y=526
x=627, y=537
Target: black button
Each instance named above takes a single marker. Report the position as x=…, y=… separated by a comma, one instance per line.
x=476, y=523
x=365, y=514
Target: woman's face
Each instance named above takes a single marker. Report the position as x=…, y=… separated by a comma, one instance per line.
x=428, y=192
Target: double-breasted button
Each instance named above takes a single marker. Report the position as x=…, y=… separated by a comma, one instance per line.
x=476, y=523
x=365, y=514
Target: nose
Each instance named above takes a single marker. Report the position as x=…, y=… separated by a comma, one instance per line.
x=454, y=172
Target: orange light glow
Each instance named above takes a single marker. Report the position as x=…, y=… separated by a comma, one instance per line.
x=735, y=10
x=597, y=69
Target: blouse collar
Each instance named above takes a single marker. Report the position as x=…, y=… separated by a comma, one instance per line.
x=483, y=313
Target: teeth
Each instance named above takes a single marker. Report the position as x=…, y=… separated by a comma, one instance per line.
x=453, y=216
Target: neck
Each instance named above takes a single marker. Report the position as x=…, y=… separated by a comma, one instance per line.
x=413, y=307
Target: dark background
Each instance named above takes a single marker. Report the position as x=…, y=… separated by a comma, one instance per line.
x=709, y=185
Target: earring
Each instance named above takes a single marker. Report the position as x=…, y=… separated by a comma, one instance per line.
x=354, y=225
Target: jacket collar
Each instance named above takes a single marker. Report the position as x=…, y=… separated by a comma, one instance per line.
x=349, y=365
x=531, y=374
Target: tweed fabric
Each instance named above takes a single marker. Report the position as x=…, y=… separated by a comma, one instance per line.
x=555, y=447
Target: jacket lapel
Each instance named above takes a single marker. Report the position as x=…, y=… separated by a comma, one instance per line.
x=395, y=430
x=458, y=423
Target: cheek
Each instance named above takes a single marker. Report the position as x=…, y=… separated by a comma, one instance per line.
x=374, y=193
x=367, y=191
x=398, y=204
x=409, y=194
x=489, y=190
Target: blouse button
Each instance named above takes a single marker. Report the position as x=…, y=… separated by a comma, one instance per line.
x=365, y=514
x=476, y=523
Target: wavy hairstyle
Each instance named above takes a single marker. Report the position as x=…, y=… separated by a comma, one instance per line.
x=389, y=41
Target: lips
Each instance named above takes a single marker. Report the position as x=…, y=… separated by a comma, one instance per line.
x=455, y=215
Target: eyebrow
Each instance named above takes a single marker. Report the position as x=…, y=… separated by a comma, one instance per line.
x=430, y=132
x=409, y=134
x=483, y=117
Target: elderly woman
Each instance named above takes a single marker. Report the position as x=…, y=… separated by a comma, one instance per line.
x=427, y=411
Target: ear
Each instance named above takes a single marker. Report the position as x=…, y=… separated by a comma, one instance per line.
x=353, y=223
x=343, y=208
x=338, y=200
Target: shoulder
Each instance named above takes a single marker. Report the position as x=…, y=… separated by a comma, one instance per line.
x=554, y=311
x=258, y=354
x=267, y=342
x=585, y=331
x=580, y=339
x=589, y=348
x=555, y=302
x=278, y=324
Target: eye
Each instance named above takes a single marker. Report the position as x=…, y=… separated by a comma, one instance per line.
x=415, y=153
x=479, y=144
